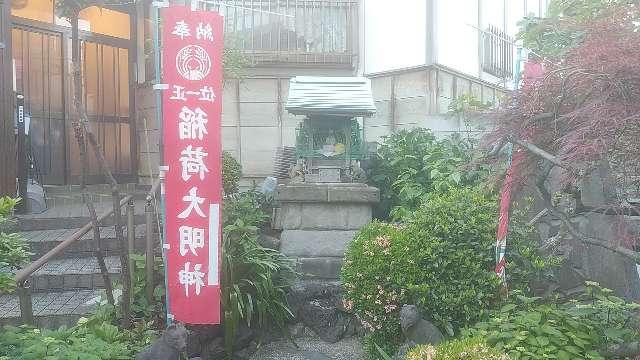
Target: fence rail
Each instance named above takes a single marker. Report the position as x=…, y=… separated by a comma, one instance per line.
x=23, y=275
x=497, y=52
x=300, y=31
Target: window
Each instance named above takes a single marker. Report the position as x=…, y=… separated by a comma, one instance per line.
x=497, y=53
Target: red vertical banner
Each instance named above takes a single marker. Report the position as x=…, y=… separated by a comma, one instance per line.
x=191, y=103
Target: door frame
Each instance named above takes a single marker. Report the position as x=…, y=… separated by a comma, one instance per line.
x=130, y=45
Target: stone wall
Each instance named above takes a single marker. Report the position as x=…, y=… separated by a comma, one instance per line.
x=318, y=221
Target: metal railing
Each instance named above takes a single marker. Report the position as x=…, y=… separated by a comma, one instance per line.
x=293, y=31
x=22, y=276
x=497, y=52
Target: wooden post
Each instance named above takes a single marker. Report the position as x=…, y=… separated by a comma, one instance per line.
x=150, y=258
x=7, y=144
x=131, y=235
x=26, y=305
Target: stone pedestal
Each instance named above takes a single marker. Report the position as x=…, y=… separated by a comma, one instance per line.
x=319, y=220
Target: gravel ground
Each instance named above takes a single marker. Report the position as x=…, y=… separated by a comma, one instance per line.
x=311, y=349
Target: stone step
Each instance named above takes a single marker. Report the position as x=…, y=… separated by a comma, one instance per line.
x=51, y=309
x=73, y=274
x=314, y=243
x=41, y=241
x=319, y=267
x=73, y=215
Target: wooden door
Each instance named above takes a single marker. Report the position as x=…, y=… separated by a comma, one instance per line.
x=40, y=78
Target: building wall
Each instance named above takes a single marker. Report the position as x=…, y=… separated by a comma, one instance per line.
x=393, y=34
x=420, y=97
x=445, y=32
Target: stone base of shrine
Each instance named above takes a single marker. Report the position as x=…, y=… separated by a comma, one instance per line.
x=318, y=221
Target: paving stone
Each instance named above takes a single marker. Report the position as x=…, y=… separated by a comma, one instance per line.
x=50, y=303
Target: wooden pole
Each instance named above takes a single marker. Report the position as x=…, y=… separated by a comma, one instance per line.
x=26, y=304
x=150, y=258
x=131, y=236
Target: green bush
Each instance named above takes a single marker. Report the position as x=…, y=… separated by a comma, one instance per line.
x=231, y=173
x=411, y=164
x=467, y=349
x=531, y=328
x=255, y=278
x=14, y=251
x=95, y=338
x=442, y=260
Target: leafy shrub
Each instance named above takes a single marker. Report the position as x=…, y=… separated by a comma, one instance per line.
x=411, y=164
x=442, y=260
x=250, y=206
x=467, y=349
x=256, y=278
x=14, y=251
x=90, y=339
x=577, y=329
x=231, y=173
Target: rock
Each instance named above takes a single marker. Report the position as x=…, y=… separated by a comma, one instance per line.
x=312, y=355
x=322, y=316
x=269, y=242
x=245, y=353
x=416, y=330
x=299, y=330
x=200, y=335
x=244, y=337
x=213, y=350
x=305, y=290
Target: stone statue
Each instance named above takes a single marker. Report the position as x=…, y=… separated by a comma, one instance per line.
x=357, y=174
x=169, y=346
x=296, y=172
x=416, y=330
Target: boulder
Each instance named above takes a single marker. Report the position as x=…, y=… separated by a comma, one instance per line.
x=329, y=323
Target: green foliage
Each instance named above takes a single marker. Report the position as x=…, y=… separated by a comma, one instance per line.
x=562, y=29
x=465, y=105
x=14, y=251
x=90, y=339
x=140, y=307
x=578, y=329
x=256, y=278
x=411, y=164
x=231, y=173
x=528, y=268
x=251, y=207
x=468, y=349
x=96, y=337
x=441, y=259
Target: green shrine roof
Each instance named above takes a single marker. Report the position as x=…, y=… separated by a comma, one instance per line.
x=336, y=96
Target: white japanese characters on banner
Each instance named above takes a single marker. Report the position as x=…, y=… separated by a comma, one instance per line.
x=192, y=70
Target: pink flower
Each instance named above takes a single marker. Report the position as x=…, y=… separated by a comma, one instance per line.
x=348, y=304
x=383, y=241
x=390, y=307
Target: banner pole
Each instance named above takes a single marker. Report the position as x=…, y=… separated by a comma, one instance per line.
x=161, y=170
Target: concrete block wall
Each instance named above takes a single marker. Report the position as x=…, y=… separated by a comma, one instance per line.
x=420, y=97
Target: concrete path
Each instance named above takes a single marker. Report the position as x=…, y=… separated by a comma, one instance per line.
x=311, y=349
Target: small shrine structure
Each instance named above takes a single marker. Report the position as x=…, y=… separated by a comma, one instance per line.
x=326, y=200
